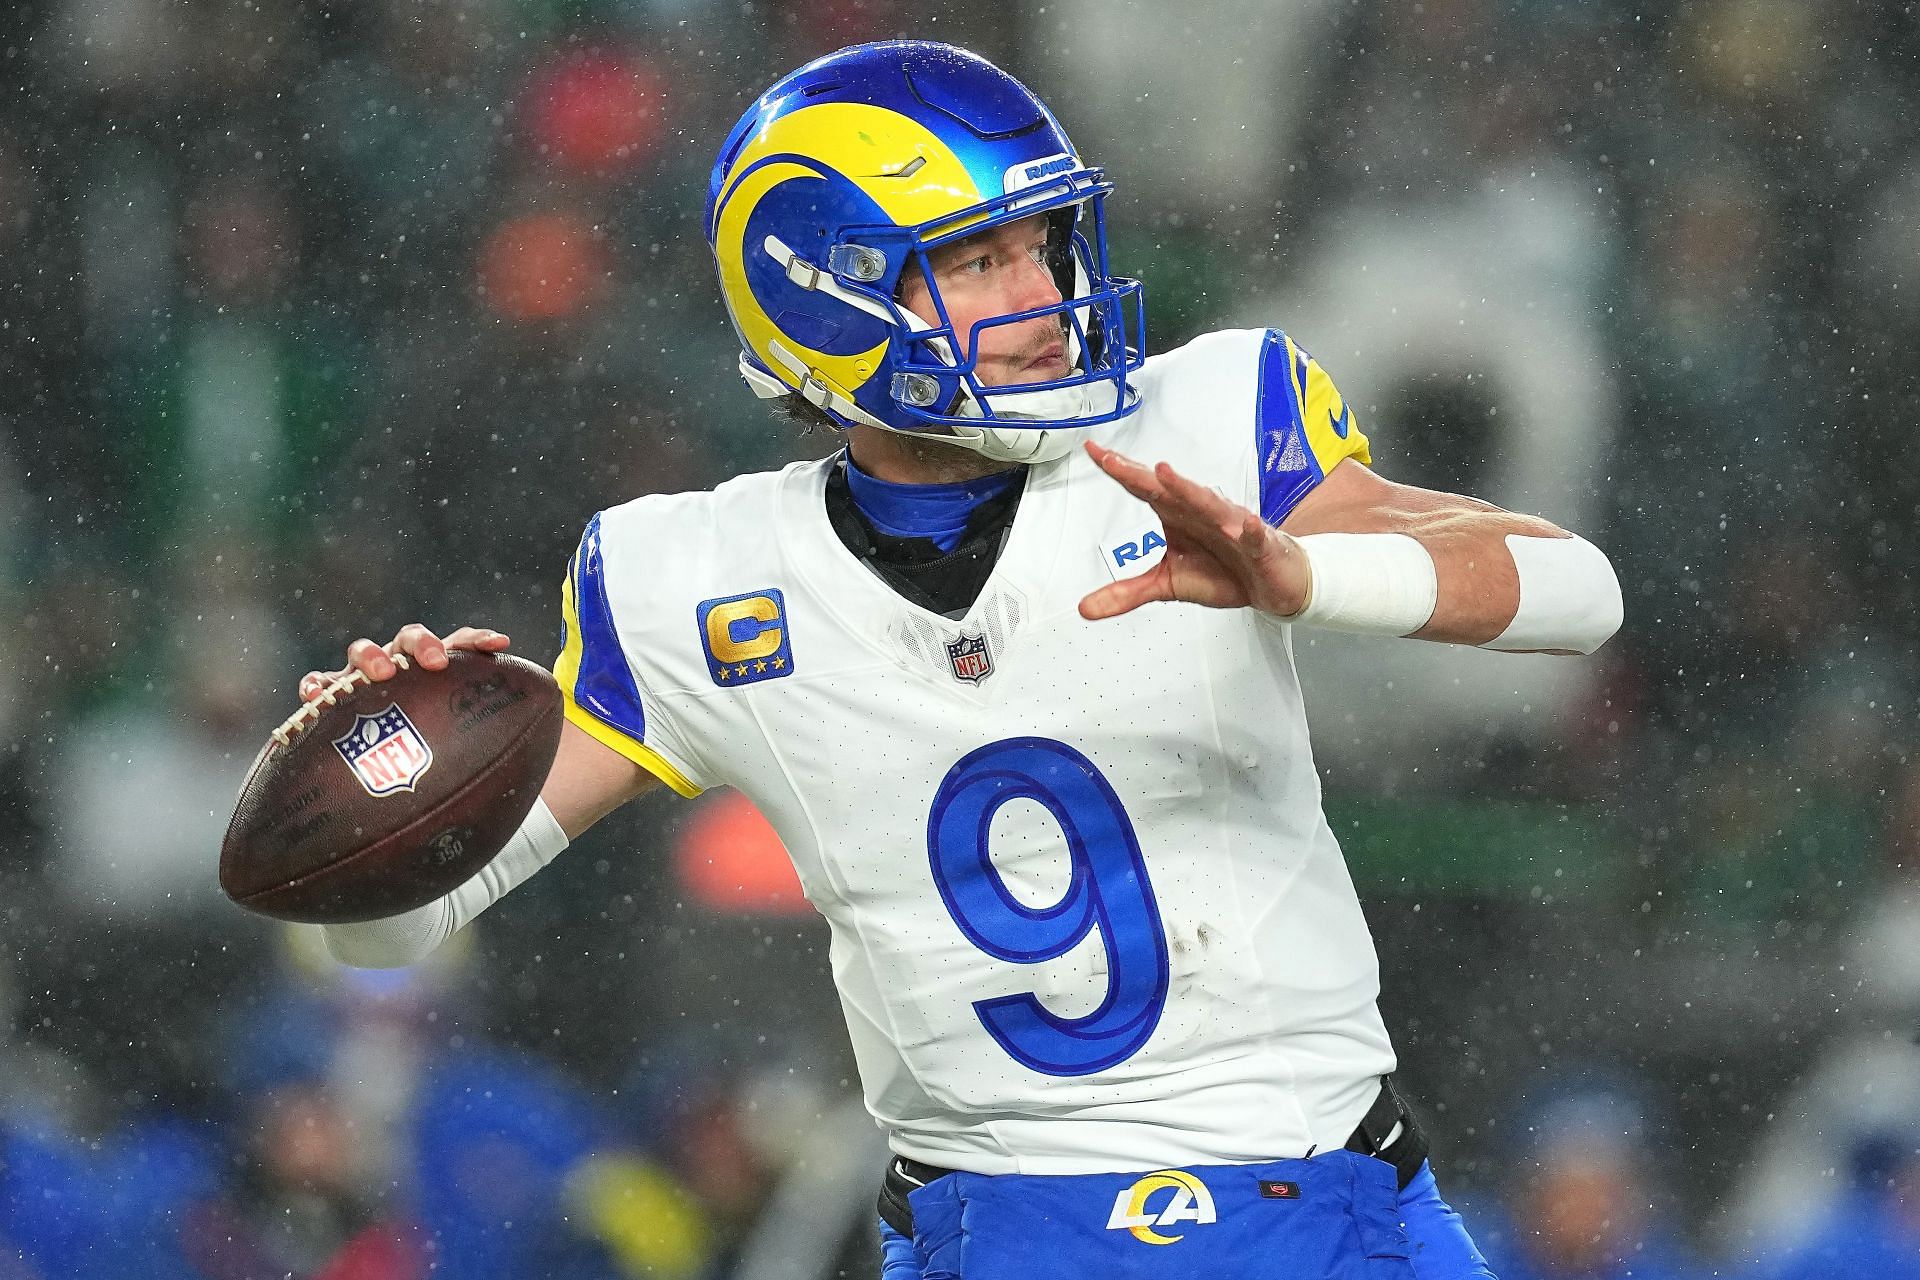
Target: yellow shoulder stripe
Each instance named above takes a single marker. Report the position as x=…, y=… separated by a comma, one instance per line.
x=638, y=752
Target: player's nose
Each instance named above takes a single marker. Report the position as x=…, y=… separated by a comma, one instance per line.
x=1034, y=285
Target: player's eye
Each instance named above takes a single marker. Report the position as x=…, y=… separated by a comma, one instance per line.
x=976, y=266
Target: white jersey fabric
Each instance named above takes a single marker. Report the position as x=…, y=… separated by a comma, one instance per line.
x=1087, y=914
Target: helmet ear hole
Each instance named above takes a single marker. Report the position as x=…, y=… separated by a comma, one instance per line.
x=914, y=268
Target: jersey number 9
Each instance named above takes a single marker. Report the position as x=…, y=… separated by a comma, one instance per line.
x=1108, y=891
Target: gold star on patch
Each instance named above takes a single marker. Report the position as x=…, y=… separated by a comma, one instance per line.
x=760, y=666
x=721, y=673
x=779, y=663
x=740, y=670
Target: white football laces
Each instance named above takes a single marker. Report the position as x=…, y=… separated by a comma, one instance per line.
x=333, y=691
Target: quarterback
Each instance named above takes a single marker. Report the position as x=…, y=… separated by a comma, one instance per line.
x=1104, y=971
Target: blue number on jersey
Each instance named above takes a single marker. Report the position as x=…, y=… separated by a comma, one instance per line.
x=1108, y=892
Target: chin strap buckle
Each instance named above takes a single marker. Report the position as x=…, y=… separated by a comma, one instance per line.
x=802, y=272
x=817, y=390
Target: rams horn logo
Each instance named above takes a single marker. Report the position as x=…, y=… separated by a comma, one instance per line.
x=1191, y=1202
x=883, y=167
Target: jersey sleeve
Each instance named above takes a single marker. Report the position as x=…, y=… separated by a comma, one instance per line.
x=603, y=695
x=1303, y=427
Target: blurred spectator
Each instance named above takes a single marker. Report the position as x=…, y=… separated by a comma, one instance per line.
x=1586, y=1198
x=104, y=1209
x=146, y=787
x=499, y=1144
x=400, y=129
x=597, y=113
x=1874, y=1228
x=1883, y=951
x=300, y=1204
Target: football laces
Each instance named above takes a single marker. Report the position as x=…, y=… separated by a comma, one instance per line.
x=332, y=692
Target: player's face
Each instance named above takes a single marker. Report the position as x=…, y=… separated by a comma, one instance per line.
x=993, y=274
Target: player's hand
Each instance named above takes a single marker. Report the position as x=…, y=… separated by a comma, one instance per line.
x=1218, y=553
x=415, y=641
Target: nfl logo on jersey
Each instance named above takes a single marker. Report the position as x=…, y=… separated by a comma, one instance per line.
x=387, y=754
x=971, y=659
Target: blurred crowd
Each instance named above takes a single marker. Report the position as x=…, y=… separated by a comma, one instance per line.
x=316, y=319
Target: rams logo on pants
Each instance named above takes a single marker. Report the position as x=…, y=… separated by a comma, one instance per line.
x=1190, y=1202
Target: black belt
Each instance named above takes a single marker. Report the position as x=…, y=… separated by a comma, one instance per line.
x=1406, y=1151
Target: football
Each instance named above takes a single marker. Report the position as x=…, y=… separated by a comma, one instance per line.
x=377, y=798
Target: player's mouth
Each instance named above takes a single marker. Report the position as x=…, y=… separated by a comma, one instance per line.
x=1053, y=359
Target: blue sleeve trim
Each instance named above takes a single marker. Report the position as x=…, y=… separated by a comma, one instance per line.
x=1288, y=470
x=605, y=684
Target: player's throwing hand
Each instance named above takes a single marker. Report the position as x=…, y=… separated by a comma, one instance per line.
x=415, y=641
x=1219, y=553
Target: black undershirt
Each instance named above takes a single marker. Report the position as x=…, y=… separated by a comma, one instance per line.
x=943, y=582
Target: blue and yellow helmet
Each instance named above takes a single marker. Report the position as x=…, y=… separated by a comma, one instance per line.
x=850, y=170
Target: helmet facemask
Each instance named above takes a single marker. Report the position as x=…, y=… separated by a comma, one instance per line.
x=942, y=396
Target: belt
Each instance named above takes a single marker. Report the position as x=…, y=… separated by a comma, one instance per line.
x=1387, y=1132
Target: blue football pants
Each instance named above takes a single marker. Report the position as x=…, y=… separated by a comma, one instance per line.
x=1439, y=1246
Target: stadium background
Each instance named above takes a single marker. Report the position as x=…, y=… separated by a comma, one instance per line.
x=318, y=318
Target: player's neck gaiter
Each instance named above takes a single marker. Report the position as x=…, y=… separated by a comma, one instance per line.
x=946, y=582
x=937, y=512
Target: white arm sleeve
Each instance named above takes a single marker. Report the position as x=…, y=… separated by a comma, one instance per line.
x=1569, y=596
x=1380, y=584
x=407, y=938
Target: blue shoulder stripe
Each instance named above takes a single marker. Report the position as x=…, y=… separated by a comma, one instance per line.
x=605, y=684
x=1288, y=469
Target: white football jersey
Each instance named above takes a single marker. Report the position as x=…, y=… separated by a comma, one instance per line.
x=1086, y=912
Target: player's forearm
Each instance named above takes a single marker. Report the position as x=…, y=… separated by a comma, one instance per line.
x=1567, y=600
x=1467, y=574
x=408, y=938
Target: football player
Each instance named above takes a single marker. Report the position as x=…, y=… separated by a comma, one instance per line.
x=1106, y=976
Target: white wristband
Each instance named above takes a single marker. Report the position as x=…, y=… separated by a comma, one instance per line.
x=1569, y=596
x=1374, y=583
x=408, y=938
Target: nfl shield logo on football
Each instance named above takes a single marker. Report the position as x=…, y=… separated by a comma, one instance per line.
x=385, y=752
x=972, y=660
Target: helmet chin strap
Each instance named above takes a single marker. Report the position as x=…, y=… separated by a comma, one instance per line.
x=1036, y=444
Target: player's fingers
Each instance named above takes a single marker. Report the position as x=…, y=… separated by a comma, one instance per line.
x=1185, y=522
x=1256, y=539
x=477, y=638
x=418, y=642
x=1198, y=498
x=1126, y=595
x=1183, y=506
x=1136, y=478
x=1199, y=512
x=364, y=655
x=311, y=684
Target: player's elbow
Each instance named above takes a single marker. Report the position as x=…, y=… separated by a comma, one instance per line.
x=1593, y=624
x=1570, y=598
x=1609, y=608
